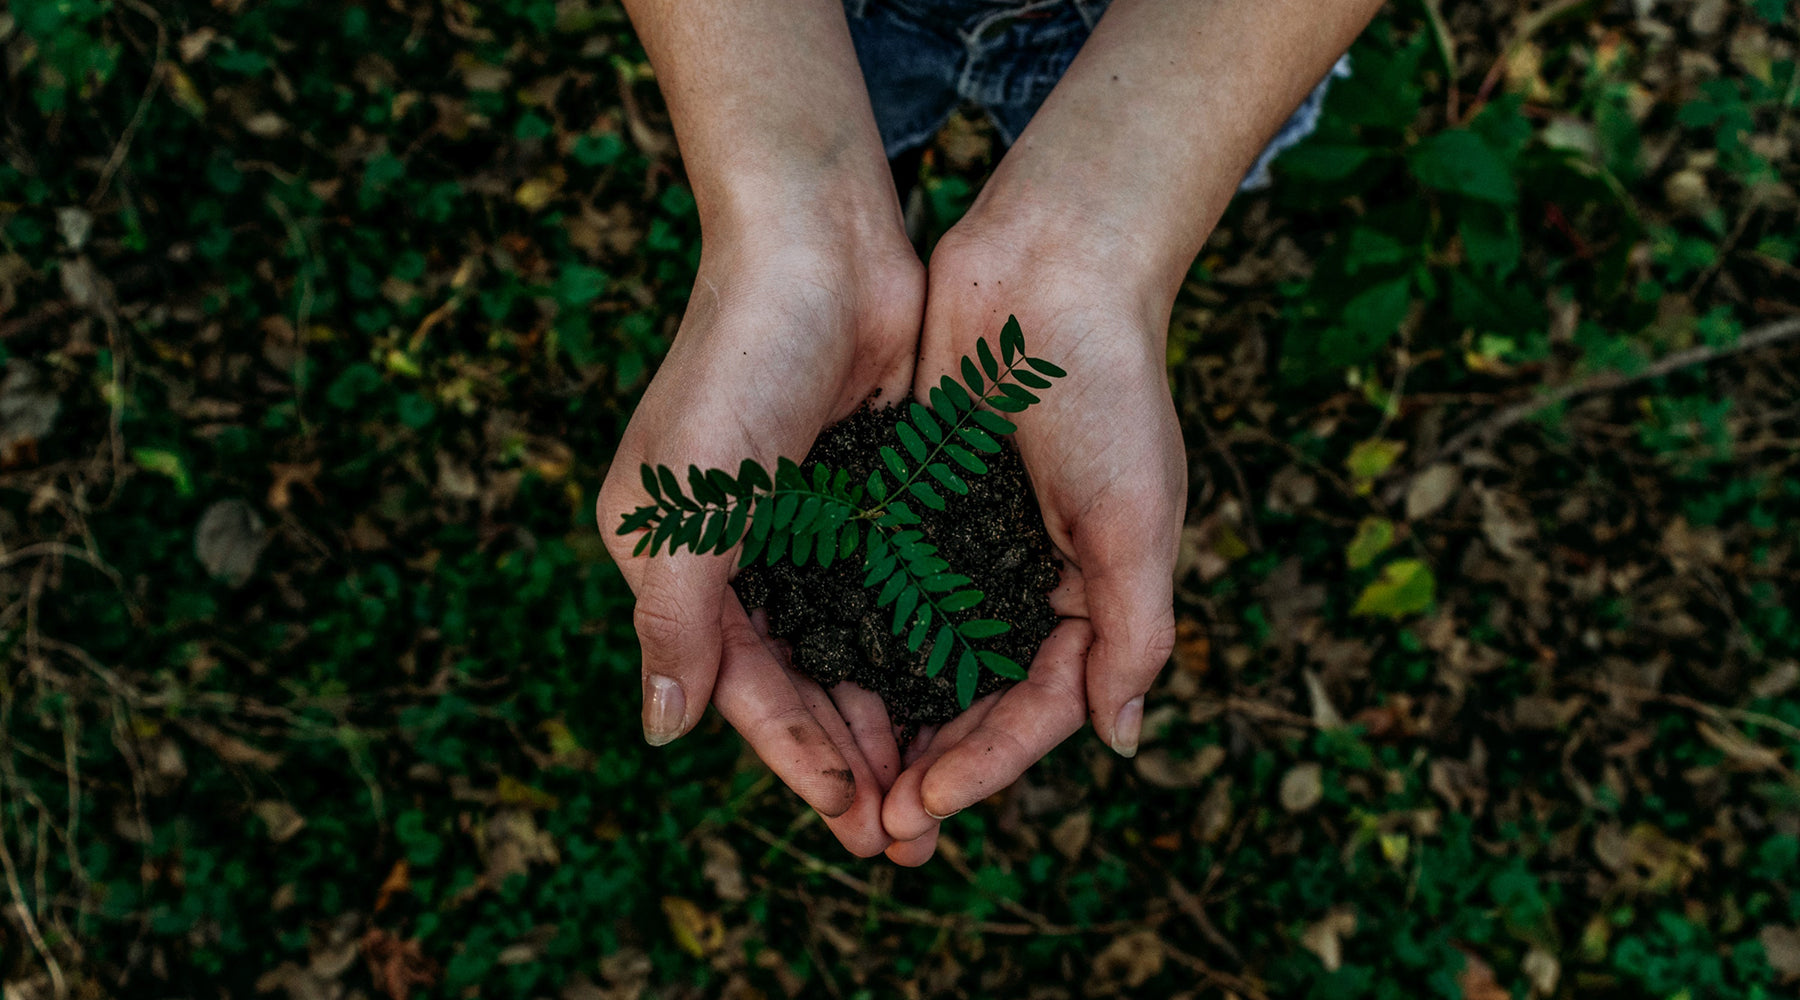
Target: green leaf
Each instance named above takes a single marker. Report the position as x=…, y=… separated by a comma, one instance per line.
x=983, y=628
x=978, y=439
x=988, y=364
x=1012, y=339
x=993, y=423
x=762, y=518
x=898, y=513
x=910, y=438
x=715, y=528
x=734, y=525
x=1002, y=665
x=877, y=486
x=1018, y=394
x=963, y=458
x=1373, y=536
x=825, y=546
x=959, y=397
x=1045, y=368
x=665, y=533
x=752, y=477
x=809, y=512
x=927, y=496
x=916, y=637
x=962, y=600
x=942, y=582
x=972, y=375
x=672, y=489
x=778, y=542
x=903, y=608
x=879, y=570
x=951, y=481
x=967, y=673
x=800, y=549
x=1406, y=587
x=895, y=464
x=1028, y=379
x=785, y=505
x=650, y=485
x=723, y=482
x=891, y=590
x=1460, y=162
x=704, y=489
x=637, y=520
x=940, y=402
x=924, y=424
x=788, y=475
x=847, y=540
x=1007, y=404
x=643, y=543
x=753, y=547
x=941, y=645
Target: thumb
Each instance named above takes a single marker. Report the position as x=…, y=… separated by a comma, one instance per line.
x=1131, y=605
x=679, y=603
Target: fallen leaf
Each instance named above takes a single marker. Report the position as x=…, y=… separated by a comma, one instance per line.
x=1781, y=946
x=28, y=408
x=230, y=538
x=724, y=869
x=1430, y=490
x=1071, y=836
x=1477, y=982
x=1373, y=537
x=1325, y=938
x=1302, y=787
x=397, y=966
x=1543, y=969
x=1740, y=750
x=1165, y=769
x=1369, y=459
x=282, y=819
x=1406, y=587
x=1129, y=961
x=699, y=932
x=399, y=880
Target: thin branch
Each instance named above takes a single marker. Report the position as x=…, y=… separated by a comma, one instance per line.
x=1765, y=336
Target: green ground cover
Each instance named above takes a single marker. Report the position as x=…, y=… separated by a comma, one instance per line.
x=320, y=322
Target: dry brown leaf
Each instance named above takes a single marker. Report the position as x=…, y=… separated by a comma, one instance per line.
x=724, y=870
x=1302, y=787
x=1166, y=769
x=1129, y=961
x=1477, y=980
x=1071, y=836
x=1781, y=945
x=1743, y=753
x=399, y=880
x=1543, y=969
x=397, y=966
x=282, y=819
x=1430, y=490
x=1325, y=938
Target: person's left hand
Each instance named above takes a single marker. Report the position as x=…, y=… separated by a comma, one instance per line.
x=1105, y=457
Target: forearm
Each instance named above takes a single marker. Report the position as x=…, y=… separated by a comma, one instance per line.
x=1142, y=144
x=769, y=107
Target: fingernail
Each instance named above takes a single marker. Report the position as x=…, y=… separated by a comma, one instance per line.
x=665, y=707
x=944, y=817
x=1126, y=727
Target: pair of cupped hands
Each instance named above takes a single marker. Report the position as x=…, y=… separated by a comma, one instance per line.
x=795, y=321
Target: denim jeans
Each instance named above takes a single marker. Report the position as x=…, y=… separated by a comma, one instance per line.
x=923, y=58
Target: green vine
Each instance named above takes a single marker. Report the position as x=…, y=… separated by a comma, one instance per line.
x=826, y=518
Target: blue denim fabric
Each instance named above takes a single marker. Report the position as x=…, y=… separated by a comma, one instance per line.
x=923, y=58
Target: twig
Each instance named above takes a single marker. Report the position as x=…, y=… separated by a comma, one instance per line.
x=1237, y=474
x=58, y=986
x=1717, y=712
x=890, y=910
x=1530, y=26
x=117, y=159
x=1446, y=45
x=1761, y=337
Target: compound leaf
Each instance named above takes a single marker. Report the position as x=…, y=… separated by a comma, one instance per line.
x=637, y=520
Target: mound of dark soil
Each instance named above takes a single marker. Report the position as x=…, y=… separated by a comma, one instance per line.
x=993, y=535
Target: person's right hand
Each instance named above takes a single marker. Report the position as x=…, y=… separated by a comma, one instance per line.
x=792, y=324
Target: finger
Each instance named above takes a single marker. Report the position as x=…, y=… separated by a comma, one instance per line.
x=903, y=813
x=913, y=853
x=867, y=716
x=1028, y=722
x=758, y=697
x=679, y=606
x=859, y=827
x=1131, y=603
